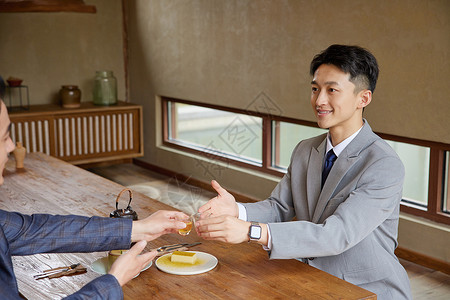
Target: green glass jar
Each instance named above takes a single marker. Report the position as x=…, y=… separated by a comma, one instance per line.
x=105, y=88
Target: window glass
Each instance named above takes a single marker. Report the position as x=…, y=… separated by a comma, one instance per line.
x=286, y=136
x=416, y=160
x=446, y=194
x=211, y=130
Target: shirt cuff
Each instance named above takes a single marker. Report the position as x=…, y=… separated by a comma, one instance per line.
x=242, y=212
x=269, y=240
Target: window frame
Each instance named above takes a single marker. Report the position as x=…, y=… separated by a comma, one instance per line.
x=433, y=211
x=266, y=125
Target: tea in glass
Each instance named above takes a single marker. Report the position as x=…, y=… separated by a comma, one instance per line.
x=186, y=230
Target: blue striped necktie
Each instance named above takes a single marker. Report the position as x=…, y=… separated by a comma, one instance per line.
x=329, y=160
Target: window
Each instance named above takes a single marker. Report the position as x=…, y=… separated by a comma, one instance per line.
x=234, y=135
x=286, y=136
x=446, y=189
x=416, y=160
x=265, y=142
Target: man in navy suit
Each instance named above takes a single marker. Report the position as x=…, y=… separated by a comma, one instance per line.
x=42, y=233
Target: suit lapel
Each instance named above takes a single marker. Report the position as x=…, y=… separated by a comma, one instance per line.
x=341, y=166
x=313, y=176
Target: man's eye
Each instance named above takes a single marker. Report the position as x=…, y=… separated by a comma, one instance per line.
x=332, y=90
x=314, y=89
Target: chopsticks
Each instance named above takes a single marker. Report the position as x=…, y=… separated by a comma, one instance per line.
x=170, y=248
x=61, y=271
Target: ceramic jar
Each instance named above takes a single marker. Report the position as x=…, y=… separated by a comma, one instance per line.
x=105, y=88
x=70, y=96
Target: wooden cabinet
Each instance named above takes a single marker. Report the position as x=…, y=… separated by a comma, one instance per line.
x=82, y=135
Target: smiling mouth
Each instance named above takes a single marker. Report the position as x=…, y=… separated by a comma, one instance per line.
x=322, y=112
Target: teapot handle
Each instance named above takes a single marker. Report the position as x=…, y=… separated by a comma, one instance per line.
x=120, y=194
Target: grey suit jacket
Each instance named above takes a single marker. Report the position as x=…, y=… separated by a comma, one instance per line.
x=349, y=228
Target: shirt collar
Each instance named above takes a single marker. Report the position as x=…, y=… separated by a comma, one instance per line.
x=341, y=146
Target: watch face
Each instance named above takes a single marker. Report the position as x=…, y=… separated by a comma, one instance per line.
x=255, y=232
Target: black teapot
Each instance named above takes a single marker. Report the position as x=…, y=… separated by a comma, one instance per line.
x=128, y=212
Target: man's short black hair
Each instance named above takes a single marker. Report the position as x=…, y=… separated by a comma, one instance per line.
x=354, y=60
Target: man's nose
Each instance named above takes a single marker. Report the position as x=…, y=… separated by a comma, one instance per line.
x=321, y=98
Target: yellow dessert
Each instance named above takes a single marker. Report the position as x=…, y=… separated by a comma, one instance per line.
x=113, y=255
x=184, y=257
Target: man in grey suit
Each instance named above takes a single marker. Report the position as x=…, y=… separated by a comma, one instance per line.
x=337, y=207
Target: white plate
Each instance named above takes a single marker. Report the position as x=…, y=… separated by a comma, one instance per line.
x=101, y=266
x=205, y=262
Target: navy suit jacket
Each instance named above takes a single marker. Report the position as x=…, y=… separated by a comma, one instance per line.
x=42, y=233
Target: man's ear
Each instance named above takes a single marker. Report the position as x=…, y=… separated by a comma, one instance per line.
x=365, y=97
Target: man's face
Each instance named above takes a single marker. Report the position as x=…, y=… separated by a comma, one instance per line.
x=334, y=101
x=6, y=144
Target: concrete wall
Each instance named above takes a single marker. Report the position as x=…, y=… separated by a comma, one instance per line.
x=228, y=52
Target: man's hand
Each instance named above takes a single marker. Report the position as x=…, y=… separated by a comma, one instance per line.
x=130, y=264
x=223, y=204
x=223, y=228
x=229, y=229
x=157, y=224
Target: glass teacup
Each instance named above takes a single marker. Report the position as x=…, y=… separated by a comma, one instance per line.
x=190, y=223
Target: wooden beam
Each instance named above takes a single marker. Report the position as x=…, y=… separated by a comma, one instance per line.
x=46, y=6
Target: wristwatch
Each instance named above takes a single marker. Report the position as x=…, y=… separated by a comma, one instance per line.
x=254, y=232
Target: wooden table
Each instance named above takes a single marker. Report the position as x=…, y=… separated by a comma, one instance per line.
x=49, y=185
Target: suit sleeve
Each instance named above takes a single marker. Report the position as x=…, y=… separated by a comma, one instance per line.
x=104, y=287
x=43, y=233
x=279, y=207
